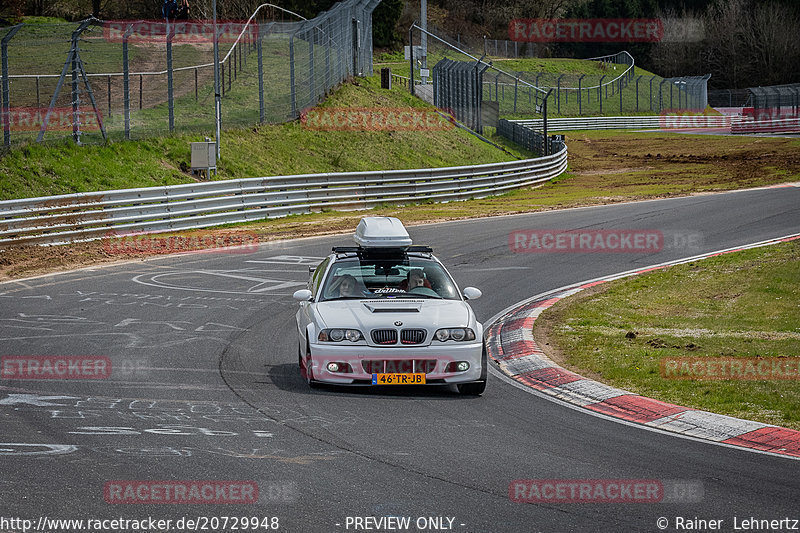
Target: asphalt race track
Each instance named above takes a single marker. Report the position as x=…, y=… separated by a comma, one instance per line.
x=205, y=386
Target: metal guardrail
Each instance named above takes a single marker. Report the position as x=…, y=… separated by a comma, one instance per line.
x=88, y=216
x=631, y=122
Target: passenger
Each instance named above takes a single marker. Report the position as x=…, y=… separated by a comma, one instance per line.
x=346, y=286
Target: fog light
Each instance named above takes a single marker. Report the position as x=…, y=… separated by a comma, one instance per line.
x=333, y=367
x=457, y=366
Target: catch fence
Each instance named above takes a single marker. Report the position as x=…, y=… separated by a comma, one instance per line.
x=96, y=79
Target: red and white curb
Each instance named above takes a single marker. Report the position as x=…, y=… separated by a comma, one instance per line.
x=511, y=345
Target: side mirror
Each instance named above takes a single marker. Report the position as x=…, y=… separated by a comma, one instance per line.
x=303, y=295
x=471, y=293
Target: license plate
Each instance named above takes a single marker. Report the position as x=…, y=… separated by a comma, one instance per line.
x=398, y=379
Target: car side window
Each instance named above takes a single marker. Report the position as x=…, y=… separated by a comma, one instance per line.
x=316, y=278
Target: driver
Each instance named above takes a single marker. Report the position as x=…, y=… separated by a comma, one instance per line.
x=415, y=278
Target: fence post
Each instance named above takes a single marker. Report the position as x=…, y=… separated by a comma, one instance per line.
x=651, y=92
x=6, y=114
x=292, y=95
x=126, y=93
x=580, y=95
x=222, y=69
x=312, y=99
x=620, y=96
x=516, y=90
x=411, y=59
x=544, y=121
x=170, y=87
x=600, y=93
x=76, y=103
x=38, y=101
x=141, y=90
x=108, y=78
x=260, y=75
x=637, y=93
x=671, y=85
x=558, y=93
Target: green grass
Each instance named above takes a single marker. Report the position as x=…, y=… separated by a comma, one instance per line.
x=266, y=150
x=741, y=305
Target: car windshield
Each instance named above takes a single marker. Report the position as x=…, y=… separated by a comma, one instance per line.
x=402, y=277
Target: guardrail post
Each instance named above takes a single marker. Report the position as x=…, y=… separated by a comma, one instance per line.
x=6, y=114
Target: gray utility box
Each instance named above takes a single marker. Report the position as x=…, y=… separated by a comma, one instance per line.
x=204, y=157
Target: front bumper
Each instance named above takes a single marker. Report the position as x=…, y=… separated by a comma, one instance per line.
x=399, y=359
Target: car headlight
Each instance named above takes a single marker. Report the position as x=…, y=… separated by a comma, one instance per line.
x=339, y=334
x=455, y=334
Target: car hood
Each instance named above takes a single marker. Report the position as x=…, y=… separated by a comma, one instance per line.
x=369, y=314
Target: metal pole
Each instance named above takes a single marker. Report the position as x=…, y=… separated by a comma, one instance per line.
x=170, y=88
x=544, y=122
x=600, y=93
x=76, y=127
x=260, y=76
x=651, y=92
x=424, y=36
x=516, y=88
x=141, y=90
x=6, y=114
x=411, y=58
x=217, y=95
x=126, y=95
x=292, y=92
x=311, y=90
x=38, y=101
x=620, y=96
x=108, y=78
x=637, y=93
x=580, y=95
x=196, y=88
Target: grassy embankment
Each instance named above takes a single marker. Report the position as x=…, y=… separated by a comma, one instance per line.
x=741, y=305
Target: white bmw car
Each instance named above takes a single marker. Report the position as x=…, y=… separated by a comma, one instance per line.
x=386, y=312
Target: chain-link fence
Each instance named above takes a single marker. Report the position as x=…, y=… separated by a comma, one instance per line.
x=445, y=74
x=135, y=79
x=610, y=85
x=781, y=98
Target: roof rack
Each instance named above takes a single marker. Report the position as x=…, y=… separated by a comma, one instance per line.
x=382, y=250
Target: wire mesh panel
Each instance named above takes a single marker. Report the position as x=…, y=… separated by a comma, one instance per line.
x=97, y=79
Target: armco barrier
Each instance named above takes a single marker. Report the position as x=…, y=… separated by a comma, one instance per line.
x=86, y=216
x=631, y=122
